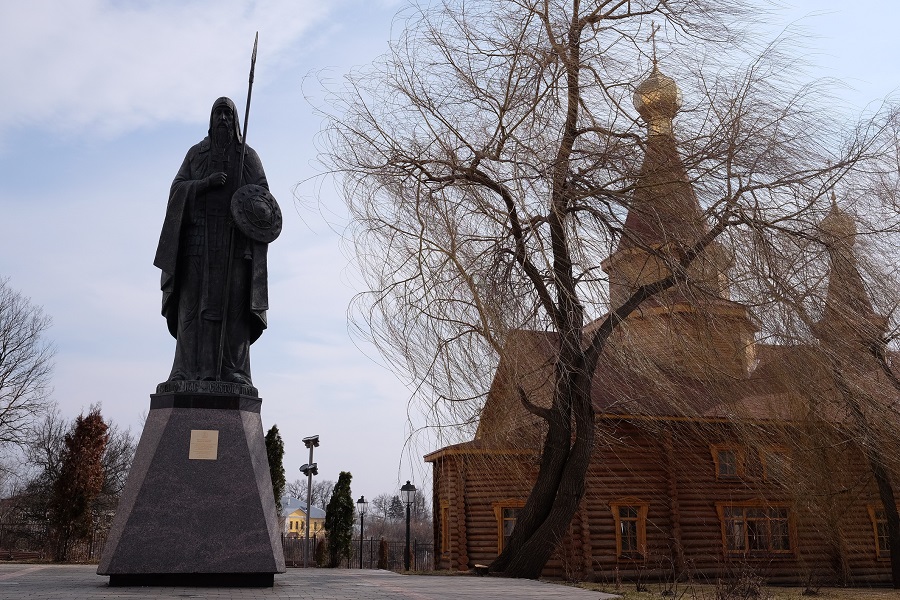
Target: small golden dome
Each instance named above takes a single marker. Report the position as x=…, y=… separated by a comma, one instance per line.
x=838, y=225
x=657, y=97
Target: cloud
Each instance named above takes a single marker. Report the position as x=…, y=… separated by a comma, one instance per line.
x=108, y=67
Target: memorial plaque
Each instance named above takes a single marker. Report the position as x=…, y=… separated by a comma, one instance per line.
x=204, y=444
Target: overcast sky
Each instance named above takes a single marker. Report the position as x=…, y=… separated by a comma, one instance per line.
x=100, y=101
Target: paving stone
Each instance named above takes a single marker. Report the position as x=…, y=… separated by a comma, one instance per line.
x=81, y=582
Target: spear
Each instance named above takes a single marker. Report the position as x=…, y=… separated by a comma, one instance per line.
x=247, y=110
x=225, y=300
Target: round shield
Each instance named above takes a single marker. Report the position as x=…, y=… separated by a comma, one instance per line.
x=256, y=213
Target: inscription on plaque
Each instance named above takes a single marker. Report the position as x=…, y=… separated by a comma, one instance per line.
x=204, y=444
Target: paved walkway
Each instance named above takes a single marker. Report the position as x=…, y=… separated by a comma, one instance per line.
x=81, y=582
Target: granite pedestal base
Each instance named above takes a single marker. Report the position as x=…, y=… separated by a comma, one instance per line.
x=198, y=507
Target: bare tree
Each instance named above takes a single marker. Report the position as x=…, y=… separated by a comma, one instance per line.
x=380, y=507
x=492, y=161
x=26, y=363
x=43, y=455
x=321, y=491
x=117, y=459
x=387, y=517
x=843, y=306
x=295, y=488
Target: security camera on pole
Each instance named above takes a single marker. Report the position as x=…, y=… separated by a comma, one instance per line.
x=309, y=469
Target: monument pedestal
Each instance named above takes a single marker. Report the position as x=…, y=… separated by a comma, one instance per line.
x=197, y=508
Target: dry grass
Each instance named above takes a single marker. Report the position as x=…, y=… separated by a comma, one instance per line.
x=713, y=592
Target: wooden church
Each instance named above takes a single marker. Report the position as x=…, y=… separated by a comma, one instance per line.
x=715, y=454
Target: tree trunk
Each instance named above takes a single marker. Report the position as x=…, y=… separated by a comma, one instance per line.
x=561, y=480
x=879, y=472
x=534, y=554
x=554, y=458
x=888, y=501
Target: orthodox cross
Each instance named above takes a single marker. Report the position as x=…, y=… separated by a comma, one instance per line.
x=652, y=38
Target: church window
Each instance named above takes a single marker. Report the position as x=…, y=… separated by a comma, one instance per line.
x=506, y=512
x=728, y=461
x=880, y=529
x=755, y=528
x=630, y=522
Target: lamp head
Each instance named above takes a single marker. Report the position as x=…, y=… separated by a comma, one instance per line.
x=408, y=491
x=311, y=441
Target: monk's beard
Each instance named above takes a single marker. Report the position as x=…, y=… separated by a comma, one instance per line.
x=223, y=136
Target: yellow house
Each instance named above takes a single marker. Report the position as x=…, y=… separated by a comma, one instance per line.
x=293, y=514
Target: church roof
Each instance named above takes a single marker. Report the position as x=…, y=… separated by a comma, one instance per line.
x=776, y=391
x=848, y=304
x=664, y=208
x=786, y=383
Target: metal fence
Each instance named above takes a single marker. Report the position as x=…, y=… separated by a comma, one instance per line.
x=421, y=554
x=31, y=540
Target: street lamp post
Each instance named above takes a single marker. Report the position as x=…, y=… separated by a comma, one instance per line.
x=309, y=469
x=361, y=506
x=408, y=492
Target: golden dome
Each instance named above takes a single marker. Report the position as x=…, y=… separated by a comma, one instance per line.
x=657, y=97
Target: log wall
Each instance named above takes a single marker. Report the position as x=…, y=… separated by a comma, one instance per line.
x=668, y=465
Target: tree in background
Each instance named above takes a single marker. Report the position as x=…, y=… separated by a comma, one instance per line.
x=339, y=520
x=295, y=489
x=387, y=518
x=44, y=455
x=117, y=459
x=489, y=162
x=419, y=510
x=379, y=507
x=275, y=454
x=321, y=491
x=396, y=511
x=80, y=481
x=26, y=363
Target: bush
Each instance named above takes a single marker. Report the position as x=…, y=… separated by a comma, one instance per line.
x=339, y=520
x=321, y=555
x=383, y=554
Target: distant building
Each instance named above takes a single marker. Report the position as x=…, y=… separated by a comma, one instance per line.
x=293, y=513
x=694, y=471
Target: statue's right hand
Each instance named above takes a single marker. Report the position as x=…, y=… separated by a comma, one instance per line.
x=216, y=179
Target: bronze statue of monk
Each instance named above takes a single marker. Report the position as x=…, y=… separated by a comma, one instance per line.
x=193, y=254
